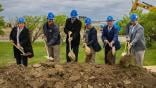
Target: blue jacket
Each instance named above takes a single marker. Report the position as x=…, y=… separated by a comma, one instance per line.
x=111, y=35
x=52, y=34
x=92, y=40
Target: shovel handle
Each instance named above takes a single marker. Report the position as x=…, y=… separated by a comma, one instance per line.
x=69, y=41
x=21, y=50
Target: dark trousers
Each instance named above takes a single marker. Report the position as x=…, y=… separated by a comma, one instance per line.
x=75, y=50
x=20, y=59
x=109, y=58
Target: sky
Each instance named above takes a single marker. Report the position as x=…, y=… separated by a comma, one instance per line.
x=95, y=9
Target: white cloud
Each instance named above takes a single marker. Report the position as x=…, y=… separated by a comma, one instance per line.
x=97, y=9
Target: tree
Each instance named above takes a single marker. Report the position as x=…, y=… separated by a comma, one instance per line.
x=149, y=23
x=35, y=25
x=123, y=23
x=60, y=21
x=2, y=22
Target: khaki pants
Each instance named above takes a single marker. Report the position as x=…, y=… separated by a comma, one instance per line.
x=54, y=51
x=91, y=58
x=139, y=57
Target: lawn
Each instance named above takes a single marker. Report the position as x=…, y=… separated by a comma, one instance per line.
x=6, y=54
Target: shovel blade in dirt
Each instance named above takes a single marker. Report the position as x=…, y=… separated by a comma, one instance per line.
x=126, y=60
x=123, y=54
x=113, y=51
x=110, y=58
x=71, y=55
x=49, y=58
x=87, y=50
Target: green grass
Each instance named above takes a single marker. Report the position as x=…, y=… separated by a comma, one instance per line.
x=6, y=54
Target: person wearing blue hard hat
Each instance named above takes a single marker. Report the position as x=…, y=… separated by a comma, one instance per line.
x=52, y=38
x=110, y=19
x=136, y=40
x=88, y=22
x=110, y=40
x=21, y=20
x=133, y=17
x=72, y=30
x=50, y=16
x=91, y=43
x=73, y=13
x=20, y=38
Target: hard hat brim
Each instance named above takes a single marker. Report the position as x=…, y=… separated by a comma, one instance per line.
x=109, y=20
x=50, y=18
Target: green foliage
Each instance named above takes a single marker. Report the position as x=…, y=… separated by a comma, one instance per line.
x=35, y=25
x=1, y=9
x=83, y=23
x=32, y=22
x=149, y=23
x=60, y=20
x=123, y=23
x=2, y=22
x=40, y=53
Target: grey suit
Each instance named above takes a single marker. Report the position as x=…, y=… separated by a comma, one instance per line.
x=137, y=39
x=136, y=35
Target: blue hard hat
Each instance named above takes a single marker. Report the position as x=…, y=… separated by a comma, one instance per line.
x=21, y=20
x=88, y=21
x=110, y=18
x=134, y=17
x=73, y=13
x=50, y=16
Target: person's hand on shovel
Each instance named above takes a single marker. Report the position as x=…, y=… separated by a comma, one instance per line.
x=113, y=47
x=111, y=44
x=19, y=46
x=106, y=41
x=69, y=33
x=70, y=38
x=11, y=41
x=84, y=44
x=129, y=45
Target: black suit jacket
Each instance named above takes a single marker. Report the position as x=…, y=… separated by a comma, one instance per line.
x=92, y=40
x=75, y=29
x=24, y=40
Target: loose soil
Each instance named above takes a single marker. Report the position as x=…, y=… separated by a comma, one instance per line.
x=73, y=75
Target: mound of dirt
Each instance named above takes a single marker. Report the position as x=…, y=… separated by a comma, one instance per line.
x=52, y=75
